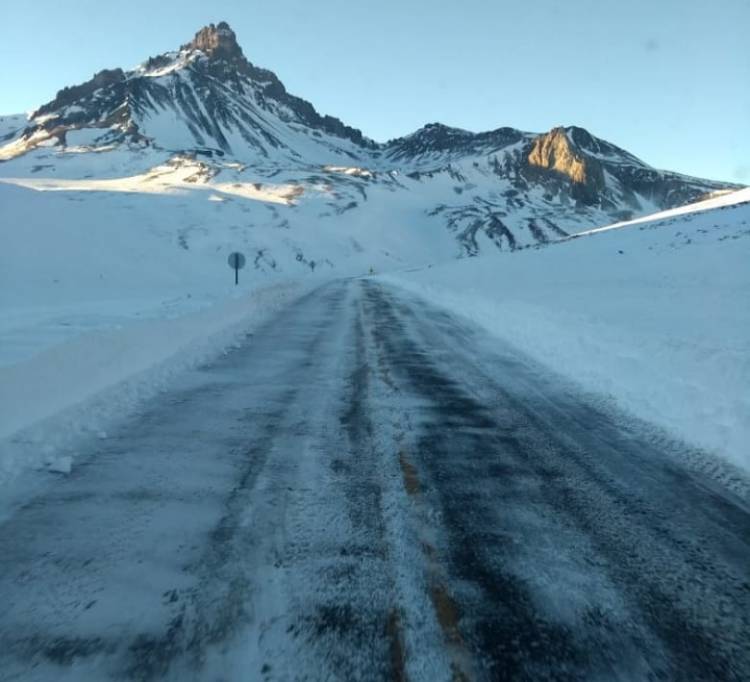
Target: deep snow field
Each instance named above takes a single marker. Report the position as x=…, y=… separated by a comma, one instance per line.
x=108, y=292
x=110, y=286
x=652, y=314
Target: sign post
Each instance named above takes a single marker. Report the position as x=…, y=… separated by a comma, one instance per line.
x=236, y=261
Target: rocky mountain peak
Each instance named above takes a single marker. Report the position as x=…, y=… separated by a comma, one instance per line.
x=217, y=41
x=554, y=151
x=579, y=137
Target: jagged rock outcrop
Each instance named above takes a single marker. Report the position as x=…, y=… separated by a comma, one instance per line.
x=218, y=41
x=555, y=152
x=228, y=62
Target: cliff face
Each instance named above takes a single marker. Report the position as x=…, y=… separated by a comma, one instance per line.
x=554, y=152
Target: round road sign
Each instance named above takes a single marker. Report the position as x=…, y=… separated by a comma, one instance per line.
x=236, y=260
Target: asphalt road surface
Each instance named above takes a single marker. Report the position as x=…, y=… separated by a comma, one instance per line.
x=371, y=488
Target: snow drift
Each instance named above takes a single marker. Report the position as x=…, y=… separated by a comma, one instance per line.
x=653, y=315
x=81, y=385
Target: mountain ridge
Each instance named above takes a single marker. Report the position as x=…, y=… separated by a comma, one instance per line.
x=208, y=107
x=218, y=42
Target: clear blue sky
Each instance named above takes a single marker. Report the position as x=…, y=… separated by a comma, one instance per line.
x=669, y=80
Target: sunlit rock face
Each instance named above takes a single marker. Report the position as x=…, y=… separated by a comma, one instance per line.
x=554, y=151
x=217, y=41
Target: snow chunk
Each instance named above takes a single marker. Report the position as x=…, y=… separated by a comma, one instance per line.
x=349, y=170
x=61, y=465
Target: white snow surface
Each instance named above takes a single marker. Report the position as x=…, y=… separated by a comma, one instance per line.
x=722, y=199
x=97, y=239
x=114, y=275
x=653, y=316
x=83, y=384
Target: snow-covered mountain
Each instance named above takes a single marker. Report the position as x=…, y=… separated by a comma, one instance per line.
x=206, y=99
x=206, y=122
x=121, y=198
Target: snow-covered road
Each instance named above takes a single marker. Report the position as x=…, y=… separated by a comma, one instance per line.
x=371, y=488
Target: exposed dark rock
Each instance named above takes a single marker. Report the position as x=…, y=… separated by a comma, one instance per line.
x=436, y=138
x=228, y=62
x=217, y=42
x=73, y=95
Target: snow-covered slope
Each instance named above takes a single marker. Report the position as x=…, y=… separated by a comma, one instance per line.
x=718, y=200
x=653, y=314
x=121, y=198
